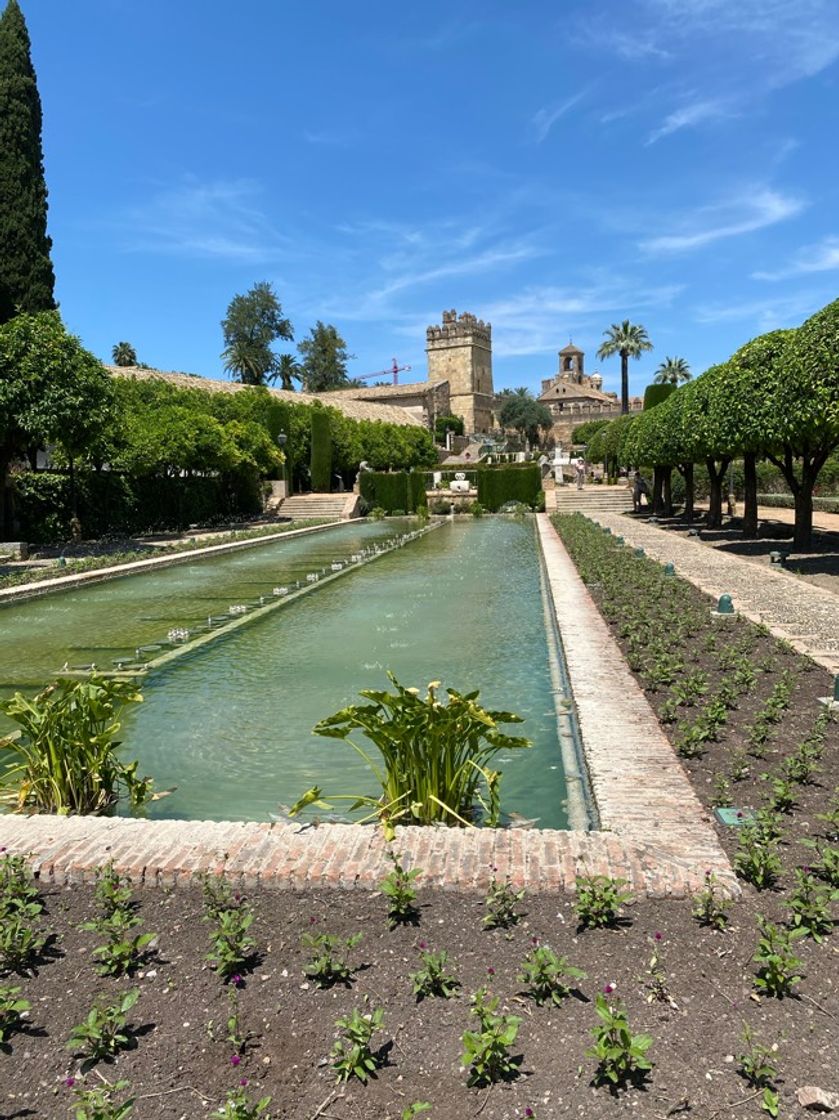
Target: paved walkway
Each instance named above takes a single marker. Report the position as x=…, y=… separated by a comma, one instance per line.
x=803, y=614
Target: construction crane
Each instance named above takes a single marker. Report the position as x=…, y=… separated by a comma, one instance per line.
x=395, y=369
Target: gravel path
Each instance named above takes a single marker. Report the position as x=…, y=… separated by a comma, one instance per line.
x=807, y=616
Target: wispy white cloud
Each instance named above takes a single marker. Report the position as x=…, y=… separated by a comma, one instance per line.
x=821, y=257
x=687, y=116
x=328, y=138
x=764, y=315
x=221, y=219
x=544, y=120
x=752, y=210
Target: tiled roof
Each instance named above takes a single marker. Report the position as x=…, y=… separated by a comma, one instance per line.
x=567, y=390
x=371, y=392
x=355, y=409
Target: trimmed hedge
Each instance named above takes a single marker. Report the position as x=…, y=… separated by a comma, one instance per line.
x=321, y=461
x=498, y=485
x=416, y=485
x=655, y=394
x=112, y=503
x=393, y=491
x=786, y=501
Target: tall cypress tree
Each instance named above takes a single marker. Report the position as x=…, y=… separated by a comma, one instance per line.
x=26, y=276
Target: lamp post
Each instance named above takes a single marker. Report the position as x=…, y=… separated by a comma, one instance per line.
x=282, y=440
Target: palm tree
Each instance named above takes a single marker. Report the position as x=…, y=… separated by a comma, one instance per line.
x=124, y=354
x=672, y=371
x=287, y=369
x=630, y=341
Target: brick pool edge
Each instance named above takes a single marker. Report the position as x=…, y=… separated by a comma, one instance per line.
x=655, y=833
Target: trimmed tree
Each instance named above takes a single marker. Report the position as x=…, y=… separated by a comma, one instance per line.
x=806, y=407
x=321, y=461
x=27, y=280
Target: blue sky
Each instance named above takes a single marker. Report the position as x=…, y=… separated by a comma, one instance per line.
x=551, y=167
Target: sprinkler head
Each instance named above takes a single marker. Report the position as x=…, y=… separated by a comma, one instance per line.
x=639, y=552
x=725, y=605
x=669, y=569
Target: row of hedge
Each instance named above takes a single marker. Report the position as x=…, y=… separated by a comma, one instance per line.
x=111, y=503
x=786, y=501
x=393, y=491
x=499, y=485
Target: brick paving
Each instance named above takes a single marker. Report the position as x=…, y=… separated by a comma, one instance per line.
x=801, y=613
x=653, y=831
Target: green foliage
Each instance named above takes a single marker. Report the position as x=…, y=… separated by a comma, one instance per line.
x=13, y=1012
x=599, y=900
x=525, y=415
x=324, y=359
x=501, y=904
x=18, y=893
x=105, y=1031
x=253, y=321
x=26, y=273
x=756, y=859
x=758, y=1067
x=547, y=976
x=779, y=968
x=240, y=1106
x=321, y=462
x=351, y=1053
x=328, y=965
x=398, y=889
x=670, y=372
x=65, y=758
x=709, y=908
x=621, y=1055
x=124, y=354
x=232, y=947
x=386, y=490
x=433, y=978
x=486, y=1051
x=100, y=1103
x=453, y=423
x=810, y=905
x=657, y=393
x=122, y=954
x=112, y=892
x=585, y=433
x=629, y=340
x=21, y=944
x=499, y=485
x=414, y=1109
x=434, y=757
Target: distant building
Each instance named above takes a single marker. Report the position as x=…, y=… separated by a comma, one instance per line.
x=460, y=352
x=575, y=397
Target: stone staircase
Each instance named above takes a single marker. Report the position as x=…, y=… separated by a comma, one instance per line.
x=591, y=499
x=324, y=507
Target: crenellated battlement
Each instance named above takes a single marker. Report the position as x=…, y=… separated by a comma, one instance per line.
x=464, y=326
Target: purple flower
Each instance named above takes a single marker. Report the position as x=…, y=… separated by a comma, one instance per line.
x=69, y=1082
x=659, y=936
x=529, y=1113
x=490, y=972
x=236, y=980
x=312, y=920
x=235, y=1060
x=422, y=944
x=609, y=989
x=243, y=1081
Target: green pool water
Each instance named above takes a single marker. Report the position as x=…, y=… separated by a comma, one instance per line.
x=230, y=725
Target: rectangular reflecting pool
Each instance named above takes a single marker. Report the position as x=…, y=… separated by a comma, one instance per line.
x=230, y=724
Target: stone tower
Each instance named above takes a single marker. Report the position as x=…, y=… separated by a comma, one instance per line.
x=571, y=360
x=460, y=352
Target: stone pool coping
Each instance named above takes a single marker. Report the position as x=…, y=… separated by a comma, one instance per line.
x=655, y=833
x=135, y=567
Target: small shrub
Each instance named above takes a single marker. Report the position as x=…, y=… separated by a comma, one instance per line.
x=830, y=819
x=721, y=797
x=351, y=1054
x=546, y=975
x=433, y=979
x=656, y=981
x=779, y=967
x=13, y=1012
x=759, y=1070
x=599, y=900
x=739, y=768
x=99, y=1103
x=240, y=1106
x=621, y=1055
x=810, y=906
x=378, y=514
x=397, y=887
x=476, y=509
x=104, y=1033
x=122, y=954
x=756, y=859
x=232, y=947
x=327, y=967
x=826, y=863
x=501, y=905
x=18, y=893
x=486, y=1051
x=708, y=907
x=218, y=896
x=112, y=892
x=21, y=945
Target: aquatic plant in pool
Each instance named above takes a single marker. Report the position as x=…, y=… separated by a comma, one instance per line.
x=65, y=757
x=434, y=765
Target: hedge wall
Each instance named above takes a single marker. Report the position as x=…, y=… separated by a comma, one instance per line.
x=497, y=485
x=785, y=501
x=111, y=503
x=416, y=484
x=655, y=394
x=393, y=490
x=321, y=461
